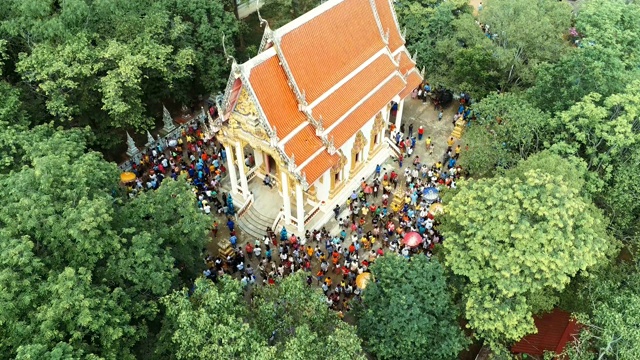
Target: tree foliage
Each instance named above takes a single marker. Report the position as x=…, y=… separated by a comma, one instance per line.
x=507, y=128
x=516, y=236
x=604, y=60
x=109, y=64
x=305, y=327
x=458, y=56
x=408, y=313
x=82, y=268
x=214, y=319
x=210, y=321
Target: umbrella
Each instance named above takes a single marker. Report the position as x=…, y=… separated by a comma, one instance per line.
x=126, y=177
x=436, y=208
x=412, y=239
x=368, y=189
x=363, y=279
x=430, y=193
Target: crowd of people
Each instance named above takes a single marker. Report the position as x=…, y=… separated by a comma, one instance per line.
x=372, y=221
x=201, y=160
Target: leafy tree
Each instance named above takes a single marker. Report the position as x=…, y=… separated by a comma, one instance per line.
x=604, y=61
x=506, y=129
x=407, y=313
x=518, y=238
x=109, y=64
x=215, y=320
x=610, y=322
x=525, y=47
x=210, y=321
x=460, y=57
x=82, y=267
x=602, y=131
x=280, y=12
x=622, y=198
x=299, y=316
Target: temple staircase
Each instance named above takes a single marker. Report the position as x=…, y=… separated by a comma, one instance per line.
x=254, y=223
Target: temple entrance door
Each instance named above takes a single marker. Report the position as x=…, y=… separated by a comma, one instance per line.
x=271, y=164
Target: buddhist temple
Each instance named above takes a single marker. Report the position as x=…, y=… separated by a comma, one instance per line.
x=312, y=107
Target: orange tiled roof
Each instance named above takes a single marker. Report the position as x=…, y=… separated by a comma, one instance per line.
x=413, y=80
x=303, y=144
x=321, y=163
x=352, y=123
x=344, y=98
x=276, y=98
x=386, y=18
x=406, y=63
x=555, y=329
x=328, y=47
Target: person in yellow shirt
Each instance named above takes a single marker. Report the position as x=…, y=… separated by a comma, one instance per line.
x=457, y=152
x=450, y=143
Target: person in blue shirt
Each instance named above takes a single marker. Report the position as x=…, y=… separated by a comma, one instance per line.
x=234, y=241
x=378, y=168
x=231, y=225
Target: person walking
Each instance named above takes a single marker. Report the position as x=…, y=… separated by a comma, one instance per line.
x=420, y=133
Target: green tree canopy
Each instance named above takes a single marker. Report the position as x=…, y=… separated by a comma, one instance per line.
x=604, y=61
x=457, y=54
x=300, y=317
x=83, y=267
x=518, y=238
x=408, y=313
x=507, y=128
x=610, y=321
x=109, y=64
x=210, y=322
x=214, y=319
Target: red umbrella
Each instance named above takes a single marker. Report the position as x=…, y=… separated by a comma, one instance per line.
x=368, y=189
x=412, y=239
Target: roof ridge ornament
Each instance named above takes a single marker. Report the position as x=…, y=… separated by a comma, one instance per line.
x=226, y=54
x=415, y=56
x=319, y=126
x=260, y=19
x=404, y=33
x=374, y=8
x=386, y=37
x=332, y=147
x=292, y=163
x=422, y=73
x=273, y=139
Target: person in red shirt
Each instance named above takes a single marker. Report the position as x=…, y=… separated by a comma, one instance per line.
x=420, y=132
x=249, y=250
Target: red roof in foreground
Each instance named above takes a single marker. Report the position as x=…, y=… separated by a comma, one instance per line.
x=555, y=330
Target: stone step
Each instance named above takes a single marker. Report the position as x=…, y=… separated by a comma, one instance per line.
x=253, y=223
